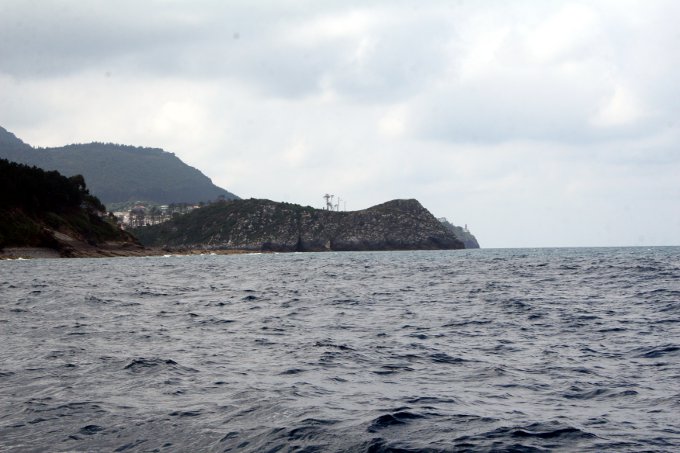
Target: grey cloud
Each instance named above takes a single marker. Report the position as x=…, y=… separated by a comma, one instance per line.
x=401, y=56
x=42, y=39
x=521, y=99
x=533, y=107
x=404, y=59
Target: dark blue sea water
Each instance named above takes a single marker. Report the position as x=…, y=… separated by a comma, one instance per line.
x=480, y=350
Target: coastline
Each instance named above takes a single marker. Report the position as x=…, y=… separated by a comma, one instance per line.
x=109, y=250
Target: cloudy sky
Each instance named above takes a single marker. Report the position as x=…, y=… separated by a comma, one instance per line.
x=536, y=123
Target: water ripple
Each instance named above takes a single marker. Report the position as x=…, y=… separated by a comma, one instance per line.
x=480, y=350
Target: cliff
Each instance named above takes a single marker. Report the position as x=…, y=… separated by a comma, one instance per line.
x=119, y=173
x=461, y=233
x=271, y=226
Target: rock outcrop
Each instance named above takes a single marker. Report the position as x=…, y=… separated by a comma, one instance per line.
x=271, y=226
x=461, y=233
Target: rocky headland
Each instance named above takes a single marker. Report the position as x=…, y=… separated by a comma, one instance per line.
x=264, y=225
x=461, y=233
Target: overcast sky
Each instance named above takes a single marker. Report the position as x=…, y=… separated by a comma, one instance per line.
x=536, y=123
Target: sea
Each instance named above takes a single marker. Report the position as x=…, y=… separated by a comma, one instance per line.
x=526, y=350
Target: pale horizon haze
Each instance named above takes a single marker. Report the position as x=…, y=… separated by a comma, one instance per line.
x=536, y=123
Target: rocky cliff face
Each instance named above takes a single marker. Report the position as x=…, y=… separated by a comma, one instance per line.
x=461, y=233
x=267, y=225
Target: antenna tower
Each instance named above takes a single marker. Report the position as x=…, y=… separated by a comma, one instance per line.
x=329, y=202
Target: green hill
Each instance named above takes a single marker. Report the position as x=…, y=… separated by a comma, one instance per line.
x=119, y=173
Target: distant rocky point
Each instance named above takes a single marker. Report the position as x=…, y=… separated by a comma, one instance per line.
x=461, y=233
x=264, y=225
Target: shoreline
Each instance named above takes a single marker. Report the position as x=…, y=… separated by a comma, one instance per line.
x=106, y=251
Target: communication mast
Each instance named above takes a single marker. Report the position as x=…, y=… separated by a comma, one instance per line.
x=330, y=206
x=329, y=202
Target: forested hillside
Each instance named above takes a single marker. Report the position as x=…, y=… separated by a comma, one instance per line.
x=36, y=206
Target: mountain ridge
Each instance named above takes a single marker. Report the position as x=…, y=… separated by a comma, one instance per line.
x=119, y=173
